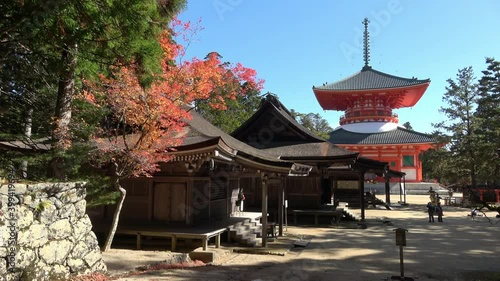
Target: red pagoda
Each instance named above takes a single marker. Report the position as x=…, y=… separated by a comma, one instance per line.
x=369, y=125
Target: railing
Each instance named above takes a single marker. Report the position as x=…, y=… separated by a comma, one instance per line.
x=352, y=115
x=359, y=119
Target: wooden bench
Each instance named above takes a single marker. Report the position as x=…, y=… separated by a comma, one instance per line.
x=204, y=237
x=335, y=213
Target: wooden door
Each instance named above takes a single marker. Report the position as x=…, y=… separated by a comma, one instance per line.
x=169, y=202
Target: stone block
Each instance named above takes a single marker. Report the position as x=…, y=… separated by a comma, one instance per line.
x=56, y=202
x=19, y=188
x=60, y=229
x=67, y=211
x=3, y=267
x=55, y=252
x=25, y=257
x=91, y=240
x=58, y=272
x=80, y=250
x=93, y=257
x=37, y=271
x=53, y=232
x=24, y=217
x=99, y=266
x=27, y=199
x=35, y=236
x=80, y=208
x=48, y=213
x=204, y=256
x=76, y=265
x=81, y=228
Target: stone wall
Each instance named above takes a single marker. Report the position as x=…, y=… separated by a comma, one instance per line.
x=45, y=233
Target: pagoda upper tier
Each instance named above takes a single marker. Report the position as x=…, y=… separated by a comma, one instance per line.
x=370, y=95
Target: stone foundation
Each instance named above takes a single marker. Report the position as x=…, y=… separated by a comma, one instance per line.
x=45, y=233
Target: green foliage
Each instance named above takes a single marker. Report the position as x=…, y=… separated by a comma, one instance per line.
x=461, y=98
x=435, y=164
x=238, y=111
x=472, y=132
x=99, y=34
x=314, y=123
x=488, y=115
x=40, y=207
x=407, y=125
x=100, y=191
x=35, y=33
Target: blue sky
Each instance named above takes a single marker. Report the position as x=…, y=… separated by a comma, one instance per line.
x=294, y=44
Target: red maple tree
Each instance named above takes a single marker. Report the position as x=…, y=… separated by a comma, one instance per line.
x=144, y=121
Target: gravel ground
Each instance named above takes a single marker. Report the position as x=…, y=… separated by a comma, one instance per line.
x=459, y=249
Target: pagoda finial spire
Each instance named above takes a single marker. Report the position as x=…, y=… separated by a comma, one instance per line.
x=366, y=44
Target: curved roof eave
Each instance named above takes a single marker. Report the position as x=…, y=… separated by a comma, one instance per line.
x=370, y=79
x=347, y=91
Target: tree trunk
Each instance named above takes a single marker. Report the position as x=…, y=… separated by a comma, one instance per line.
x=62, y=117
x=116, y=215
x=65, y=91
x=28, y=122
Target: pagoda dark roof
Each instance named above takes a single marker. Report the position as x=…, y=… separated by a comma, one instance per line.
x=368, y=79
x=397, y=136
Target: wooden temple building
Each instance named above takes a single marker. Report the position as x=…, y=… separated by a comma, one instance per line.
x=369, y=125
x=271, y=160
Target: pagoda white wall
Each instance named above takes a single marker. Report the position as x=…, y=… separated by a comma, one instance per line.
x=411, y=173
x=370, y=127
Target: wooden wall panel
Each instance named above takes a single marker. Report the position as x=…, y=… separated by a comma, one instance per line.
x=303, y=193
x=201, y=200
x=177, y=202
x=135, y=208
x=161, y=202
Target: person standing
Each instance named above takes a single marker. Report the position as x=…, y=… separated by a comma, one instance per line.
x=430, y=210
x=439, y=210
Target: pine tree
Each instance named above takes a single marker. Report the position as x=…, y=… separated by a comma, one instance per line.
x=461, y=97
x=488, y=115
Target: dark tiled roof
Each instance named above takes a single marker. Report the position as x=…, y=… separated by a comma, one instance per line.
x=200, y=130
x=399, y=135
x=369, y=78
x=274, y=121
x=317, y=149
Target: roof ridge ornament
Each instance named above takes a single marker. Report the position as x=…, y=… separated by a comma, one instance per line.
x=366, y=45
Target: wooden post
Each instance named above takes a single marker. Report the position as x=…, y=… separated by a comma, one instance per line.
x=264, y=210
x=174, y=243
x=138, y=242
x=400, y=189
x=281, y=203
x=404, y=190
x=361, y=188
x=401, y=263
x=205, y=243
x=387, y=189
x=217, y=240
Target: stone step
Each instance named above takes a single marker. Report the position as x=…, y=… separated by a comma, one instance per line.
x=245, y=233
